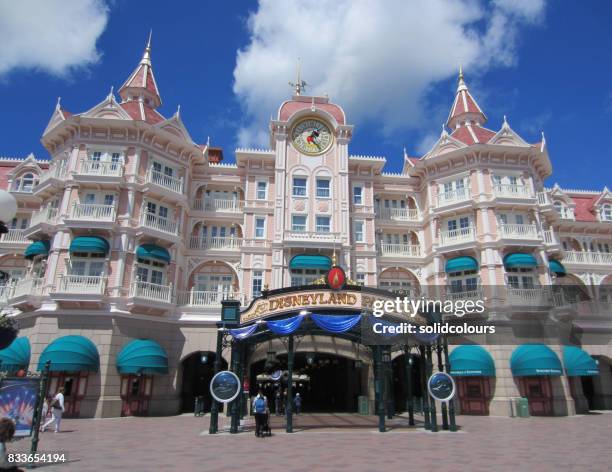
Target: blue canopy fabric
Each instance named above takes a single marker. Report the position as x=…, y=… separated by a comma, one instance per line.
x=530, y=360
x=471, y=361
x=37, y=248
x=286, y=326
x=153, y=251
x=91, y=244
x=142, y=356
x=336, y=323
x=71, y=354
x=577, y=362
x=519, y=259
x=556, y=267
x=459, y=264
x=310, y=261
x=242, y=333
x=16, y=356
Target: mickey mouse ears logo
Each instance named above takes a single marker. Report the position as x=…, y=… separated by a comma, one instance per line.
x=336, y=278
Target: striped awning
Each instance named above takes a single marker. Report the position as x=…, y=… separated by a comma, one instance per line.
x=519, y=259
x=90, y=244
x=310, y=261
x=459, y=264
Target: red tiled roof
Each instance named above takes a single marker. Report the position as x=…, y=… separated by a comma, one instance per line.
x=584, y=209
x=151, y=116
x=482, y=134
x=290, y=107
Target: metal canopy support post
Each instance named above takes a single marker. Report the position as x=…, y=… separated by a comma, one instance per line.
x=42, y=390
x=409, y=392
x=388, y=381
x=433, y=417
x=289, y=405
x=424, y=393
x=235, y=405
x=379, y=387
x=441, y=369
x=451, y=402
x=214, y=409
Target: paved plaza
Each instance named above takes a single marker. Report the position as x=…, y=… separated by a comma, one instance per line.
x=333, y=443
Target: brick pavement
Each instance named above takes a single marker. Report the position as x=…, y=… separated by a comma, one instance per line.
x=181, y=443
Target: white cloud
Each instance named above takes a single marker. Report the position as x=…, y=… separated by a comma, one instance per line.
x=377, y=59
x=53, y=36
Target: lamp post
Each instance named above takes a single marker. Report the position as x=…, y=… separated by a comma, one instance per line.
x=8, y=209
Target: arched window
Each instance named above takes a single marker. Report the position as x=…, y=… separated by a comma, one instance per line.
x=606, y=212
x=26, y=182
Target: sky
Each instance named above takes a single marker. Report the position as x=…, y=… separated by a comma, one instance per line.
x=391, y=64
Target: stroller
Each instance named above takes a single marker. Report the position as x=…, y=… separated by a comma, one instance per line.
x=266, y=430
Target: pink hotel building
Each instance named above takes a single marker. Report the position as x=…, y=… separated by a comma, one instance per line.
x=128, y=238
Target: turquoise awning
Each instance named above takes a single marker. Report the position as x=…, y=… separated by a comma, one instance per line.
x=142, y=356
x=459, y=264
x=16, y=356
x=519, y=259
x=306, y=261
x=91, y=244
x=71, y=354
x=577, y=362
x=152, y=251
x=556, y=267
x=471, y=361
x=530, y=360
x=37, y=248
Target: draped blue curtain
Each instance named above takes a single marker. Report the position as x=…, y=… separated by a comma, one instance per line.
x=286, y=326
x=334, y=323
x=243, y=333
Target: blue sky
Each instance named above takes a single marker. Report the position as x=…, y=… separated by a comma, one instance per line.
x=547, y=69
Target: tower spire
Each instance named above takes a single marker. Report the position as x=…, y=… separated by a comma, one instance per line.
x=464, y=109
x=299, y=84
x=141, y=83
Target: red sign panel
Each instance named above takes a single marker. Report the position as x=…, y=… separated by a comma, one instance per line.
x=336, y=278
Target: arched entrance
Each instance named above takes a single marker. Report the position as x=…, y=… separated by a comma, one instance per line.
x=198, y=370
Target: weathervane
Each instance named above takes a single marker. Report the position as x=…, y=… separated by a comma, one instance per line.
x=299, y=84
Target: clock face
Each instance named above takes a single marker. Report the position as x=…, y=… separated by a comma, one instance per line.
x=311, y=136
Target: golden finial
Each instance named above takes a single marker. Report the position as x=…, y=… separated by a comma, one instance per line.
x=265, y=286
x=334, y=259
x=299, y=84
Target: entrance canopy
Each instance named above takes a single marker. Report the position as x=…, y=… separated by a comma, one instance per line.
x=471, y=361
x=534, y=360
x=16, y=356
x=71, y=354
x=578, y=363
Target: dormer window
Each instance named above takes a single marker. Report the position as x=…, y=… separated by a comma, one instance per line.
x=606, y=212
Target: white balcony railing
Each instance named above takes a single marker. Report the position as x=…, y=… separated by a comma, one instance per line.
x=92, y=212
x=252, y=242
x=159, y=223
x=28, y=286
x=196, y=298
x=550, y=237
x=475, y=294
x=165, y=181
x=411, y=250
x=528, y=296
x=82, y=284
x=46, y=215
x=453, y=196
x=595, y=258
x=514, y=231
x=312, y=236
x=511, y=191
x=219, y=204
x=543, y=198
x=102, y=169
x=14, y=236
x=54, y=172
x=397, y=214
x=456, y=236
x=153, y=292
x=216, y=242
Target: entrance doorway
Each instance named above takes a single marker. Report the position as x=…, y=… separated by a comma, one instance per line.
x=400, y=383
x=198, y=370
x=75, y=386
x=330, y=383
x=474, y=395
x=538, y=391
x=135, y=394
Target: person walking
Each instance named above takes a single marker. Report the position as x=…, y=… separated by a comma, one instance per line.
x=297, y=403
x=260, y=407
x=277, y=402
x=57, y=408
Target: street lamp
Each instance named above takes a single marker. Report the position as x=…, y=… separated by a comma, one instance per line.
x=8, y=209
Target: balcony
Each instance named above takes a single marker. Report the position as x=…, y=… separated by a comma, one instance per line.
x=474, y=294
x=511, y=191
x=587, y=258
x=397, y=214
x=56, y=175
x=92, y=213
x=151, y=292
x=164, y=181
x=216, y=242
x=81, y=284
x=41, y=221
x=159, y=223
x=522, y=232
x=402, y=250
x=453, y=196
x=14, y=238
x=208, y=299
x=312, y=238
x=550, y=238
x=528, y=297
x=224, y=205
x=99, y=169
x=543, y=199
x=457, y=236
x=23, y=291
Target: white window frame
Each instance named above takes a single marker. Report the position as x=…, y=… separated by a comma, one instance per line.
x=265, y=190
x=263, y=228
x=360, y=202
x=328, y=189
x=294, y=187
x=293, y=225
x=257, y=282
x=151, y=266
x=606, y=212
x=356, y=233
x=329, y=226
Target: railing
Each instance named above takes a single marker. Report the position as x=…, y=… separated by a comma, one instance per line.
x=26, y=287
x=387, y=249
x=291, y=235
x=82, y=284
x=92, y=212
x=475, y=294
x=197, y=298
x=543, y=198
x=516, y=231
x=46, y=215
x=159, y=223
x=103, y=169
x=14, y=236
x=566, y=213
x=250, y=242
x=528, y=296
x=215, y=242
x=453, y=196
x=456, y=236
x=597, y=258
x=255, y=203
x=549, y=237
x=54, y=172
x=512, y=191
x=219, y=204
x=149, y=291
x=163, y=180
x=397, y=214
